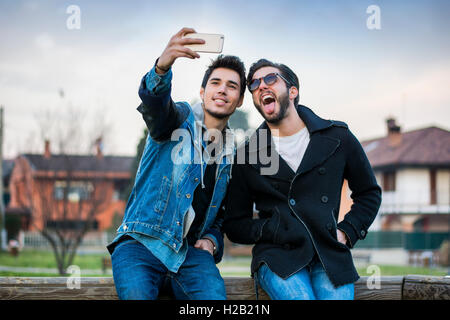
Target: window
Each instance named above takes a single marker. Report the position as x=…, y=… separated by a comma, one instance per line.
x=433, y=196
x=389, y=181
x=76, y=190
x=71, y=224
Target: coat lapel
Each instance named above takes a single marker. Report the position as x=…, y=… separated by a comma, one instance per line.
x=319, y=149
x=261, y=148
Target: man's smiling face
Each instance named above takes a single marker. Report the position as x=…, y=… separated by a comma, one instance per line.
x=221, y=95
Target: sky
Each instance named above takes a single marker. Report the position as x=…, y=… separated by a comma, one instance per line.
x=348, y=71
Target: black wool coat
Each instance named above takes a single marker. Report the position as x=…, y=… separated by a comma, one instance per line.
x=298, y=211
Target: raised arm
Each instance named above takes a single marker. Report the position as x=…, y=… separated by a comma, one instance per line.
x=158, y=110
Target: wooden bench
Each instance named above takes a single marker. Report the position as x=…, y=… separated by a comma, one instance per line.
x=411, y=287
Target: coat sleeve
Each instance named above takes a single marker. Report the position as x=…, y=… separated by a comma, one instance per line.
x=366, y=193
x=239, y=225
x=161, y=115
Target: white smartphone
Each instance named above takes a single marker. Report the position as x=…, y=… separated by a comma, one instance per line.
x=213, y=42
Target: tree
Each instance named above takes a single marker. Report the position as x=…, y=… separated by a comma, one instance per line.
x=239, y=120
x=69, y=189
x=67, y=209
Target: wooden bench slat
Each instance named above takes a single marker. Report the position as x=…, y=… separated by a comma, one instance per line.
x=390, y=288
x=426, y=288
x=238, y=288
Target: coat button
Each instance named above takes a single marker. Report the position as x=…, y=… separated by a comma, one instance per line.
x=188, y=195
x=324, y=199
x=178, y=223
x=125, y=227
x=292, y=202
x=196, y=179
x=322, y=170
x=363, y=233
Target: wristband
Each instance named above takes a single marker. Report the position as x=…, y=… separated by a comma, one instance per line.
x=163, y=70
x=213, y=243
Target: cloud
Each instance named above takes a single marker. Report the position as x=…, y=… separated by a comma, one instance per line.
x=44, y=41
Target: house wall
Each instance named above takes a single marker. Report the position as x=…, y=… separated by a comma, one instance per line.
x=413, y=192
x=346, y=201
x=443, y=187
x=37, y=194
x=412, y=187
x=20, y=184
x=411, y=201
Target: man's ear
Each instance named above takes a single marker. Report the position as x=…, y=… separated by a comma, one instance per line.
x=202, y=92
x=240, y=102
x=293, y=93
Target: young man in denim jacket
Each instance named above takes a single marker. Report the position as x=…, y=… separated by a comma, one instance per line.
x=171, y=231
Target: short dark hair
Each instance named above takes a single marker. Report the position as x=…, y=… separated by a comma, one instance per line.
x=228, y=62
x=285, y=71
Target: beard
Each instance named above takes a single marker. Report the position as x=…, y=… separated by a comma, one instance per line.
x=217, y=115
x=283, y=101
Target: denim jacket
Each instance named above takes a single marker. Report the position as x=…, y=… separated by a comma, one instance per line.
x=172, y=166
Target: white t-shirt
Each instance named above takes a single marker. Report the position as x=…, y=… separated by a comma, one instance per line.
x=292, y=148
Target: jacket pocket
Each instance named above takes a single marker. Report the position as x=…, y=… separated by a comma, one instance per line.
x=164, y=194
x=332, y=228
x=270, y=228
x=291, y=230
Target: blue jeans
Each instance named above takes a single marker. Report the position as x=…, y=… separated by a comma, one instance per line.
x=310, y=283
x=139, y=275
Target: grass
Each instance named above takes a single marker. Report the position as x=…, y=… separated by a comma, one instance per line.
x=385, y=270
x=46, y=259
x=239, y=266
x=389, y=270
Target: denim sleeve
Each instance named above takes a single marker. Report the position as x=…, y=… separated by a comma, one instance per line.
x=161, y=115
x=215, y=233
x=157, y=83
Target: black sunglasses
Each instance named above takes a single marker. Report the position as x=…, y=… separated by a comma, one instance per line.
x=269, y=79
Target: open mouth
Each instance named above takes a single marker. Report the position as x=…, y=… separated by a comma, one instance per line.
x=268, y=102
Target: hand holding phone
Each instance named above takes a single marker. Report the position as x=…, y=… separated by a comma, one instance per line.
x=176, y=48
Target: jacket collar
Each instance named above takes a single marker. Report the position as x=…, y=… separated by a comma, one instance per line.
x=319, y=149
x=313, y=123
x=199, y=121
